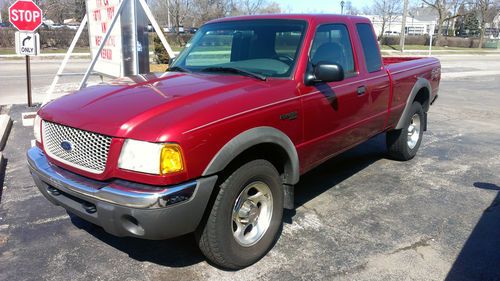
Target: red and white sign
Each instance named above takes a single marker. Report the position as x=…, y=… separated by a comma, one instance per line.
x=101, y=14
x=25, y=15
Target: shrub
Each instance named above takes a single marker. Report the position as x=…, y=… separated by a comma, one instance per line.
x=459, y=42
x=161, y=55
x=409, y=40
x=60, y=38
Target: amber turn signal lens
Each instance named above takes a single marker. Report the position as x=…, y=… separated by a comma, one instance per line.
x=171, y=159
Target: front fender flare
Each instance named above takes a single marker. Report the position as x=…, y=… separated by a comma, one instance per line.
x=250, y=138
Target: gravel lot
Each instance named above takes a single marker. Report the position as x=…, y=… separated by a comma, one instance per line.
x=359, y=216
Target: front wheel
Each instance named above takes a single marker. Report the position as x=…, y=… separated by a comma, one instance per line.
x=245, y=218
x=403, y=144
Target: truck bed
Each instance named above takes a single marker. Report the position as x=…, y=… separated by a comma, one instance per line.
x=405, y=72
x=393, y=60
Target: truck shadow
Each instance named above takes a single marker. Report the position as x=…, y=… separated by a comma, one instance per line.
x=183, y=251
x=479, y=258
x=338, y=169
x=3, y=170
x=177, y=252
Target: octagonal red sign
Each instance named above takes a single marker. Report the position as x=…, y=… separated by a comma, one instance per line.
x=25, y=15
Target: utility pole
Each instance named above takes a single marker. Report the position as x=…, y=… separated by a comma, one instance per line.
x=403, y=27
x=168, y=15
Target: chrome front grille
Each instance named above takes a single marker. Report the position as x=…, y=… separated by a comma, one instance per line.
x=81, y=149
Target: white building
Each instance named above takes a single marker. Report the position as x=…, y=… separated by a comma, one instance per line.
x=414, y=26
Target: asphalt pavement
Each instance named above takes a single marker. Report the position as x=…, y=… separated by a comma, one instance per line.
x=359, y=216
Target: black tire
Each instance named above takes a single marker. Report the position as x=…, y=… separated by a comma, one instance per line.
x=215, y=237
x=397, y=140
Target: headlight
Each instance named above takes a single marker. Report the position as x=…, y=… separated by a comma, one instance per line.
x=151, y=158
x=37, y=129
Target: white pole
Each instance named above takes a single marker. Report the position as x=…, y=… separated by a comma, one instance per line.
x=431, y=33
x=402, y=35
x=168, y=15
x=157, y=28
x=65, y=60
x=83, y=83
x=430, y=45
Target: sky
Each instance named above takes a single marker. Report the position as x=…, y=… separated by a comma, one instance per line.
x=317, y=6
x=308, y=6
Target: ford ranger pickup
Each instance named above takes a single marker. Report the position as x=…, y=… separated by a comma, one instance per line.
x=215, y=145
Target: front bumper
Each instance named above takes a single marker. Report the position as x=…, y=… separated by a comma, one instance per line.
x=124, y=208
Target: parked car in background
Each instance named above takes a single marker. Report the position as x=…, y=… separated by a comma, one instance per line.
x=5, y=24
x=72, y=26
x=55, y=26
x=391, y=33
x=180, y=28
x=216, y=146
x=168, y=29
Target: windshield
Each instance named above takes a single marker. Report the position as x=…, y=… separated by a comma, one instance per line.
x=264, y=47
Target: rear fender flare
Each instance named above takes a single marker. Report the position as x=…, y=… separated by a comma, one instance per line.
x=419, y=85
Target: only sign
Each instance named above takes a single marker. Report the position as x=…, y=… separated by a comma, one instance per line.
x=25, y=15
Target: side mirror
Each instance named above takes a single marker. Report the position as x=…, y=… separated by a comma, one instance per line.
x=328, y=72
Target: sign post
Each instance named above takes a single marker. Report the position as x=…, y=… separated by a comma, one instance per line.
x=26, y=16
x=431, y=34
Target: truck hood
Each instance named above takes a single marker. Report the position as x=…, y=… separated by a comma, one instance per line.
x=142, y=106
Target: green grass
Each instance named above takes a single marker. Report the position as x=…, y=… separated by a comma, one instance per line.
x=12, y=51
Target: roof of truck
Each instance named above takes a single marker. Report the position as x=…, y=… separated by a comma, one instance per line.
x=306, y=17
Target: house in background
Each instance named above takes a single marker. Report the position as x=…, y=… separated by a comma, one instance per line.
x=414, y=25
x=493, y=24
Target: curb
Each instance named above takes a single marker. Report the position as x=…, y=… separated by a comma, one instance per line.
x=5, y=126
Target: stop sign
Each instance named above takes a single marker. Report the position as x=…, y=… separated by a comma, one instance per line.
x=25, y=15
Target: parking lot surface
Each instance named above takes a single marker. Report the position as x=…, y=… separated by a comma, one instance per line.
x=359, y=216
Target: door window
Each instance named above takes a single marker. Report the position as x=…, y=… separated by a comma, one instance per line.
x=332, y=44
x=370, y=49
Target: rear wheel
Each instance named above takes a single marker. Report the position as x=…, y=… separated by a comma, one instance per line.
x=403, y=144
x=245, y=218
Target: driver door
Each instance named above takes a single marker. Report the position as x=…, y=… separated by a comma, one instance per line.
x=333, y=111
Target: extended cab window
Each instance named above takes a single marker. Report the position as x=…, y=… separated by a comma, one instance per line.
x=332, y=44
x=370, y=49
x=265, y=47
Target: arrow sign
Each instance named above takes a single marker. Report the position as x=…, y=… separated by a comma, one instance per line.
x=25, y=39
x=27, y=43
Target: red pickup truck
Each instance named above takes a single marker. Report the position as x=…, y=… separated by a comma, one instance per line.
x=216, y=144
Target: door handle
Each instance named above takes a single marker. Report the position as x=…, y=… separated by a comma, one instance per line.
x=361, y=90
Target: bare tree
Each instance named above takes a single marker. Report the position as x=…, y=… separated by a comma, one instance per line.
x=80, y=9
x=196, y=12
x=179, y=10
x=486, y=10
x=387, y=10
x=271, y=8
x=350, y=9
x=59, y=10
x=447, y=10
x=251, y=7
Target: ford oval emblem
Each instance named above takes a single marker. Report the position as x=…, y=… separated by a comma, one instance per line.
x=67, y=146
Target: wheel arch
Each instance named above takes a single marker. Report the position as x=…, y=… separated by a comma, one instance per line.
x=268, y=142
x=421, y=92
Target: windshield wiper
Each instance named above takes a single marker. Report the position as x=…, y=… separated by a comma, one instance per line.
x=236, y=71
x=178, y=69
